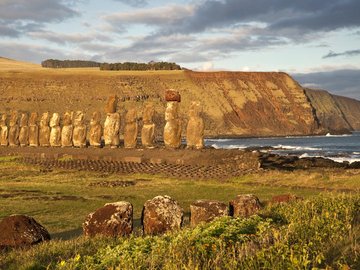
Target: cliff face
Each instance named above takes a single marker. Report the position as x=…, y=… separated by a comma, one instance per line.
x=336, y=114
x=234, y=103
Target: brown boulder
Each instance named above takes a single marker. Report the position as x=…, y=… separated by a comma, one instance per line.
x=172, y=95
x=113, y=219
x=21, y=231
x=244, y=205
x=285, y=198
x=206, y=211
x=161, y=214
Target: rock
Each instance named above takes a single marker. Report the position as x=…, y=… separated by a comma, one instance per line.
x=206, y=211
x=172, y=129
x=284, y=198
x=95, y=132
x=14, y=129
x=4, y=131
x=44, y=130
x=355, y=165
x=21, y=231
x=161, y=214
x=131, y=129
x=113, y=219
x=55, y=133
x=244, y=205
x=33, y=130
x=67, y=130
x=24, y=130
x=111, y=129
x=79, y=133
x=111, y=104
x=172, y=95
x=195, y=127
x=148, y=129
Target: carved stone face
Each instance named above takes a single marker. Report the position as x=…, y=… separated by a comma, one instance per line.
x=3, y=120
x=131, y=116
x=55, y=120
x=24, y=119
x=13, y=118
x=96, y=118
x=148, y=114
x=111, y=104
x=33, y=118
x=171, y=111
x=78, y=118
x=195, y=109
x=67, y=119
x=44, y=121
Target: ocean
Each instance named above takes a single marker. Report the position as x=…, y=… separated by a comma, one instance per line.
x=336, y=147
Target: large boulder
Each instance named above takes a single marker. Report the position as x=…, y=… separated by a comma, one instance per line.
x=244, y=205
x=113, y=219
x=206, y=211
x=161, y=214
x=21, y=231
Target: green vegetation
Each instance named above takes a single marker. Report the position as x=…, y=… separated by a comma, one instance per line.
x=322, y=230
x=54, y=63
x=140, y=66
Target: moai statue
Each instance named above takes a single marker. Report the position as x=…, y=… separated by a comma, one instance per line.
x=67, y=130
x=55, y=133
x=112, y=124
x=79, y=134
x=172, y=129
x=195, y=127
x=33, y=130
x=44, y=130
x=148, y=129
x=24, y=130
x=4, y=131
x=95, y=132
x=131, y=129
x=14, y=129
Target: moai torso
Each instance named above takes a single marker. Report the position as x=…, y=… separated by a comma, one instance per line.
x=4, y=131
x=55, y=133
x=131, y=129
x=172, y=129
x=14, y=130
x=67, y=131
x=24, y=130
x=111, y=129
x=195, y=127
x=44, y=130
x=95, y=132
x=33, y=130
x=79, y=134
x=148, y=129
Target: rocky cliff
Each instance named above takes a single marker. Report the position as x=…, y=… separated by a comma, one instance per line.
x=234, y=103
x=336, y=114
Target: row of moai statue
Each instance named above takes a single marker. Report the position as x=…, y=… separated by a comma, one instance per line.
x=73, y=132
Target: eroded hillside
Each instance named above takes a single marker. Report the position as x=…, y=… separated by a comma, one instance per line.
x=234, y=103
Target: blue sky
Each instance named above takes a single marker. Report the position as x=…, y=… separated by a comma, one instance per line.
x=316, y=41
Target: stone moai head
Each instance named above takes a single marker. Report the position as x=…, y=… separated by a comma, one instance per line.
x=44, y=121
x=13, y=118
x=24, y=120
x=96, y=118
x=111, y=104
x=55, y=120
x=171, y=111
x=33, y=118
x=3, y=119
x=131, y=116
x=195, y=109
x=78, y=118
x=148, y=114
x=67, y=119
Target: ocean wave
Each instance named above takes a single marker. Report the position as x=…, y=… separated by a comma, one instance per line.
x=336, y=159
x=230, y=146
x=341, y=135
x=300, y=148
